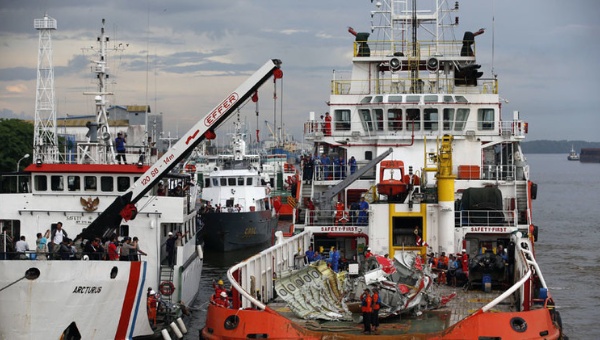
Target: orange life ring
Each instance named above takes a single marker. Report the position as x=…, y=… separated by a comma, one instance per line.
x=166, y=288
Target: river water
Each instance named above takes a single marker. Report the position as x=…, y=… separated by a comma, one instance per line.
x=568, y=215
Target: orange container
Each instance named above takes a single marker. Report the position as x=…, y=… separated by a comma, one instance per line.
x=468, y=172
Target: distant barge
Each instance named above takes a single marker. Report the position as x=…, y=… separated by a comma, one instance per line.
x=590, y=155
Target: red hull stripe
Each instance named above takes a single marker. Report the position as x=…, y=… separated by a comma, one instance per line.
x=128, y=302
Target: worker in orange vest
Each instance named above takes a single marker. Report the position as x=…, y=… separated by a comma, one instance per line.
x=152, y=305
x=367, y=309
x=221, y=300
x=375, y=312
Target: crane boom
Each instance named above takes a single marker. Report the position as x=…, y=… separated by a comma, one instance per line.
x=123, y=206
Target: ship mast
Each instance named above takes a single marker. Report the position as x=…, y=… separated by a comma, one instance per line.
x=45, y=140
x=99, y=150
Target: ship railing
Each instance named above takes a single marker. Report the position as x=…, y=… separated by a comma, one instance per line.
x=254, y=278
x=486, y=218
x=531, y=267
x=500, y=172
x=352, y=131
x=424, y=49
x=428, y=83
x=334, y=218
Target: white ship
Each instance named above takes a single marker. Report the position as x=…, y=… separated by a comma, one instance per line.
x=50, y=293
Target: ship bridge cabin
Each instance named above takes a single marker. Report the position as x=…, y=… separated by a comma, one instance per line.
x=401, y=116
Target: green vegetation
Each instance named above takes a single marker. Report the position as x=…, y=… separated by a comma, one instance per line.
x=16, y=140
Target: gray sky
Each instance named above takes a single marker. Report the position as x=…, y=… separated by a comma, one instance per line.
x=182, y=57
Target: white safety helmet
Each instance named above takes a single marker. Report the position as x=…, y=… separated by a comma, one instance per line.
x=152, y=292
x=223, y=294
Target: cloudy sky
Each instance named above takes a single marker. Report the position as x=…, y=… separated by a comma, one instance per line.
x=182, y=57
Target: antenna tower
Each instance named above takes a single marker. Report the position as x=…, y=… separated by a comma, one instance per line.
x=45, y=142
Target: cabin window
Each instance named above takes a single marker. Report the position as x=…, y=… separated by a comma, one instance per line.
x=223, y=182
x=413, y=118
x=366, y=99
x=368, y=155
x=73, y=183
x=342, y=119
x=215, y=182
x=240, y=181
x=461, y=99
x=123, y=183
x=413, y=99
x=365, y=116
x=395, y=119
x=124, y=230
x=56, y=183
x=107, y=184
x=377, y=99
x=395, y=99
x=461, y=119
x=231, y=181
x=448, y=119
x=207, y=182
x=431, y=99
x=485, y=119
x=90, y=183
x=448, y=99
x=378, y=119
x=430, y=119
x=249, y=181
x=40, y=183
x=12, y=226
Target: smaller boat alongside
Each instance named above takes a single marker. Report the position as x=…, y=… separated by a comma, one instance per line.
x=573, y=156
x=237, y=210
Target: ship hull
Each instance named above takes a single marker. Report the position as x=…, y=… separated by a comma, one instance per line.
x=232, y=231
x=270, y=324
x=97, y=299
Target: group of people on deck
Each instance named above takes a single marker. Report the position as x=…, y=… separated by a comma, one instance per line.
x=370, y=305
x=325, y=168
x=221, y=295
x=451, y=269
x=356, y=215
x=334, y=260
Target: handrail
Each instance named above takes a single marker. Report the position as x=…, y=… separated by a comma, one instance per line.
x=507, y=293
x=275, y=258
x=530, y=260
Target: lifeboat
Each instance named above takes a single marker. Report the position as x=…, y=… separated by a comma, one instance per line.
x=391, y=175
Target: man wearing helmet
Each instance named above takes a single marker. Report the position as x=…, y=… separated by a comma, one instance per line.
x=219, y=287
x=222, y=300
x=152, y=306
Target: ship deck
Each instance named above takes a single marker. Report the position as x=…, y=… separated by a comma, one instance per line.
x=463, y=304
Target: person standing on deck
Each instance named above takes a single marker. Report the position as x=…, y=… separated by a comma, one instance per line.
x=376, y=306
x=327, y=128
x=58, y=235
x=135, y=255
x=362, y=213
x=310, y=254
x=120, y=147
x=352, y=164
x=170, y=245
x=366, y=308
x=334, y=259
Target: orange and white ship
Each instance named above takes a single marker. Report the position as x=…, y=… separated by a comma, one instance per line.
x=417, y=162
